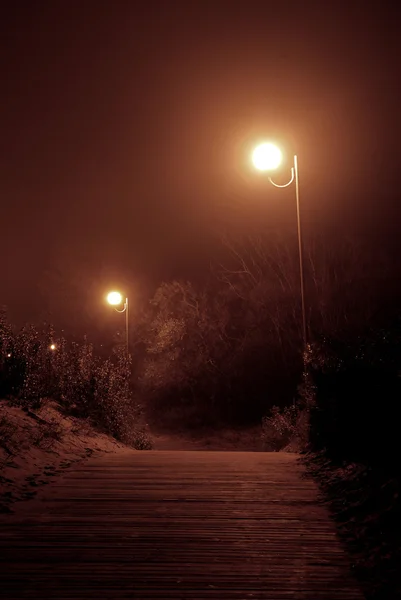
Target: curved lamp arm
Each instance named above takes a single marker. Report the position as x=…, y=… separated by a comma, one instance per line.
x=125, y=307
x=285, y=184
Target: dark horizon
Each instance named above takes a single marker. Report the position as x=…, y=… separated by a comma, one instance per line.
x=126, y=135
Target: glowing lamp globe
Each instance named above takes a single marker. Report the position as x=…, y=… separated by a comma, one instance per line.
x=267, y=157
x=114, y=298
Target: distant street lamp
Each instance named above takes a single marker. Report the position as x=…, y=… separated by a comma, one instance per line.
x=116, y=299
x=267, y=157
x=53, y=347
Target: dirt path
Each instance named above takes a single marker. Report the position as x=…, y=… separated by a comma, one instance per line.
x=220, y=440
x=183, y=525
x=165, y=442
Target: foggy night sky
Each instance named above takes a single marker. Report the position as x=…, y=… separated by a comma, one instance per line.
x=125, y=130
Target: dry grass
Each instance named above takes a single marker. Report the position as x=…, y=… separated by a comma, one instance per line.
x=8, y=436
x=19, y=434
x=47, y=434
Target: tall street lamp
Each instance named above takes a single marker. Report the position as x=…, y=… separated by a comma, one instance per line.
x=116, y=299
x=267, y=157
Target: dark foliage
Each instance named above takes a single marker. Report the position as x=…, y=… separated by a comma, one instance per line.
x=216, y=355
x=35, y=366
x=357, y=395
x=353, y=393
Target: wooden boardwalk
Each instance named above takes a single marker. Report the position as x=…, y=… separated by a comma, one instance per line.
x=183, y=525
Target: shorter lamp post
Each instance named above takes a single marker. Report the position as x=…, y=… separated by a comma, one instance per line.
x=116, y=299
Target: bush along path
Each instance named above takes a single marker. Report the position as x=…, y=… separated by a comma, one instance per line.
x=59, y=403
x=352, y=394
x=365, y=505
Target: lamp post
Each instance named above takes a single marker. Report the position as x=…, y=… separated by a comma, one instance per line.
x=116, y=299
x=267, y=157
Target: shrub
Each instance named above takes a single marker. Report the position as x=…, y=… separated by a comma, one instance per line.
x=75, y=368
x=285, y=427
x=357, y=391
x=84, y=385
x=138, y=439
x=112, y=396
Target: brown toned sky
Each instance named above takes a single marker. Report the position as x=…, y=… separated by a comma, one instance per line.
x=125, y=129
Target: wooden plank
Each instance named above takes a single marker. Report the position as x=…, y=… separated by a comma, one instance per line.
x=186, y=525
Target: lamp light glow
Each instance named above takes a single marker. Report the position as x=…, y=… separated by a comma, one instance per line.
x=114, y=298
x=267, y=157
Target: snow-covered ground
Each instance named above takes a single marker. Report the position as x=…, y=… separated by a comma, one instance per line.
x=37, y=446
